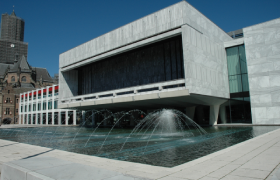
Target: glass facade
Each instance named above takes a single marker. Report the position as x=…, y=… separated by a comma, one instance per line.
x=157, y=62
x=237, y=70
x=50, y=105
x=238, y=108
x=44, y=106
x=55, y=104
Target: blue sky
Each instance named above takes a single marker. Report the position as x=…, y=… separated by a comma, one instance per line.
x=55, y=26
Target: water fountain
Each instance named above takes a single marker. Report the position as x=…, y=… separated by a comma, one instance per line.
x=167, y=133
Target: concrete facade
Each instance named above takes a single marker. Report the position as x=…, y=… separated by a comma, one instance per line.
x=262, y=42
x=205, y=65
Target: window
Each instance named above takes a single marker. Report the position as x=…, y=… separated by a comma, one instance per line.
x=29, y=108
x=50, y=105
x=21, y=109
x=7, y=111
x=8, y=100
x=13, y=79
x=17, y=100
x=237, y=69
x=25, y=109
x=34, y=107
x=39, y=106
x=8, y=91
x=44, y=105
x=23, y=79
x=16, y=110
x=55, y=104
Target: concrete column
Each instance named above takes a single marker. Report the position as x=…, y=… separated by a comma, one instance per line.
x=47, y=105
x=19, y=110
x=31, y=116
x=223, y=114
x=36, y=116
x=23, y=119
x=59, y=118
x=41, y=119
x=92, y=119
x=74, y=117
x=214, y=113
x=52, y=117
x=36, y=106
x=83, y=116
x=190, y=112
x=66, y=117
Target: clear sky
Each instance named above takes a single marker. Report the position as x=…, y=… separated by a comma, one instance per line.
x=55, y=26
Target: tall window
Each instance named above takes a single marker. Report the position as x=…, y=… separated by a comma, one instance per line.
x=34, y=107
x=44, y=106
x=50, y=105
x=237, y=72
x=39, y=106
x=55, y=104
x=13, y=79
x=7, y=111
x=23, y=79
x=8, y=100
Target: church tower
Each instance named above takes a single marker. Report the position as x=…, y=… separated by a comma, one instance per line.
x=12, y=45
x=12, y=27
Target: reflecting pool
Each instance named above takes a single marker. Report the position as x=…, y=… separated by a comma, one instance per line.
x=147, y=147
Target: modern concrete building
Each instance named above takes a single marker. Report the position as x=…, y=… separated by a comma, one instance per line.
x=40, y=107
x=178, y=58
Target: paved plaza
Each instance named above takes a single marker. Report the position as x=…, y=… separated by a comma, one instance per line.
x=257, y=158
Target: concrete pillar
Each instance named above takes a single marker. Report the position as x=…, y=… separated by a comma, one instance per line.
x=214, y=113
x=66, y=117
x=31, y=117
x=223, y=114
x=83, y=116
x=41, y=119
x=36, y=116
x=190, y=112
x=74, y=117
x=19, y=118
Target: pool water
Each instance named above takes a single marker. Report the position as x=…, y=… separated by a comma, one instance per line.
x=154, y=148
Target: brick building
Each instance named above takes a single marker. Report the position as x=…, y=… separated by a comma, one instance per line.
x=16, y=74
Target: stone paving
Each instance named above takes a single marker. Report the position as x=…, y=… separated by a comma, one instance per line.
x=257, y=158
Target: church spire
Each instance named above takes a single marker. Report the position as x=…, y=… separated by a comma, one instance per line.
x=13, y=13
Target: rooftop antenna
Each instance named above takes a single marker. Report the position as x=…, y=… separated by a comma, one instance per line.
x=13, y=7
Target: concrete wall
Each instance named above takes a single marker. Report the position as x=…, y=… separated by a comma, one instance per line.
x=202, y=41
x=166, y=19
x=262, y=43
x=68, y=84
x=204, y=55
